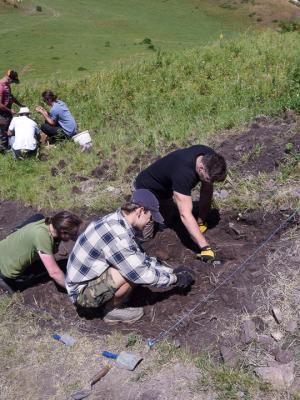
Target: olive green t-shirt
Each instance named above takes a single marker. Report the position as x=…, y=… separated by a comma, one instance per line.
x=20, y=249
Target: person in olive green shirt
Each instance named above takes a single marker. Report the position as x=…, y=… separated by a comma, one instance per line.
x=34, y=241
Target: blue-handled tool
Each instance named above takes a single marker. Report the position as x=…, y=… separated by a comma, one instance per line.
x=107, y=354
x=124, y=359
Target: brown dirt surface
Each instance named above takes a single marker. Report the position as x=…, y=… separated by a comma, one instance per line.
x=235, y=238
x=263, y=146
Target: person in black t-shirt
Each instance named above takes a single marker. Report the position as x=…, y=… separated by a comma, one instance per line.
x=175, y=175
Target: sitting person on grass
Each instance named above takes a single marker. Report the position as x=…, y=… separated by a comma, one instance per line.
x=22, y=133
x=58, y=121
x=37, y=239
x=107, y=262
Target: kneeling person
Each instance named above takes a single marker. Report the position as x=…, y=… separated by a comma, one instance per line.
x=24, y=131
x=107, y=261
x=34, y=241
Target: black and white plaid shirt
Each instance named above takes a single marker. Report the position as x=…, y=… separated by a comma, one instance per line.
x=107, y=242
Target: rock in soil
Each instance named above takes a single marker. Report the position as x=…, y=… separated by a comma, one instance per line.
x=280, y=375
x=291, y=326
x=265, y=340
x=248, y=332
x=277, y=314
x=229, y=356
x=284, y=356
x=277, y=335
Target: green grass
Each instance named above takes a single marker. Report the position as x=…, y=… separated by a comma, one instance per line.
x=183, y=98
x=228, y=383
x=66, y=40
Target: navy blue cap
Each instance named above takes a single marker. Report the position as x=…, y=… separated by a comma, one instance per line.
x=146, y=199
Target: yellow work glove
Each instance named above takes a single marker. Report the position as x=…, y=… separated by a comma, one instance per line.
x=202, y=227
x=206, y=254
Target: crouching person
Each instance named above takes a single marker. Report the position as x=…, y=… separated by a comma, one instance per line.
x=23, y=132
x=35, y=241
x=106, y=262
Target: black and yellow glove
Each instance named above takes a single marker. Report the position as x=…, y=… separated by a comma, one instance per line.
x=202, y=227
x=206, y=254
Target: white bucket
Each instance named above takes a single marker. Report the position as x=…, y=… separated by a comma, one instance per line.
x=83, y=138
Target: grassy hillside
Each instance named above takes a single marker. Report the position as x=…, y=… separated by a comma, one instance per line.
x=178, y=98
x=65, y=38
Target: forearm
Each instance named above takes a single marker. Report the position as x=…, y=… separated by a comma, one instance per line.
x=59, y=278
x=141, y=269
x=192, y=227
x=49, y=120
x=53, y=269
x=46, y=115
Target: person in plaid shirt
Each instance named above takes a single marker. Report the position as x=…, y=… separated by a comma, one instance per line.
x=107, y=261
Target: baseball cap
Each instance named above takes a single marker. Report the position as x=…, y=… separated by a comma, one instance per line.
x=13, y=75
x=146, y=199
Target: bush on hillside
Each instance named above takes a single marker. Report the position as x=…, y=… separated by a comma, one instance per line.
x=289, y=26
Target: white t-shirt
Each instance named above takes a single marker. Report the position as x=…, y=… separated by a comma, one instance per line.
x=25, y=130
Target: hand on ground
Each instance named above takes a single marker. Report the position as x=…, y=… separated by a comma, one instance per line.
x=206, y=254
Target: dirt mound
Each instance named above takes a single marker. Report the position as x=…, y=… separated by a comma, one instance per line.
x=264, y=145
x=234, y=239
x=259, y=149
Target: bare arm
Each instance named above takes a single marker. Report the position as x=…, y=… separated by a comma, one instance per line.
x=206, y=195
x=45, y=114
x=10, y=133
x=185, y=207
x=53, y=269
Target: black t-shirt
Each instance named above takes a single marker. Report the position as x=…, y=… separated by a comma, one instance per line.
x=176, y=172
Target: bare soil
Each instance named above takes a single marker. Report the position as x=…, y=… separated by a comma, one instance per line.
x=235, y=238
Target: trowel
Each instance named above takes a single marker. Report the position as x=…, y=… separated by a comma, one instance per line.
x=85, y=392
x=124, y=360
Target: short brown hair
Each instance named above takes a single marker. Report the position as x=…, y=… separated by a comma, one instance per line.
x=129, y=207
x=215, y=166
x=64, y=222
x=48, y=95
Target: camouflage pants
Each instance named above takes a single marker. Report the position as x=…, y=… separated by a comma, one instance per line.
x=97, y=292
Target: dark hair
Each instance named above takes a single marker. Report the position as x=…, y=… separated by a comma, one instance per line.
x=48, y=95
x=129, y=207
x=215, y=166
x=64, y=222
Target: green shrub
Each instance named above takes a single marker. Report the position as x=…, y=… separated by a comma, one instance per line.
x=146, y=41
x=289, y=26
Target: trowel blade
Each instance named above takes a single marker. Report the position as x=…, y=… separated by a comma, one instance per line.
x=128, y=360
x=81, y=394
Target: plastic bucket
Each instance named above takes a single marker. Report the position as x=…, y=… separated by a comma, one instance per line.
x=82, y=138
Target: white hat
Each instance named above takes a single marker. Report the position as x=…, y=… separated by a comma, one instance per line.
x=24, y=110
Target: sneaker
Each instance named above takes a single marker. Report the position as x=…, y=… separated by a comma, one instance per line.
x=126, y=315
x=4, y=286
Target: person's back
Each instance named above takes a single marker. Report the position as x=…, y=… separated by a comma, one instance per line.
x=174, y=172
x=61, y=113
x=25, y=130
x=20, y=249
